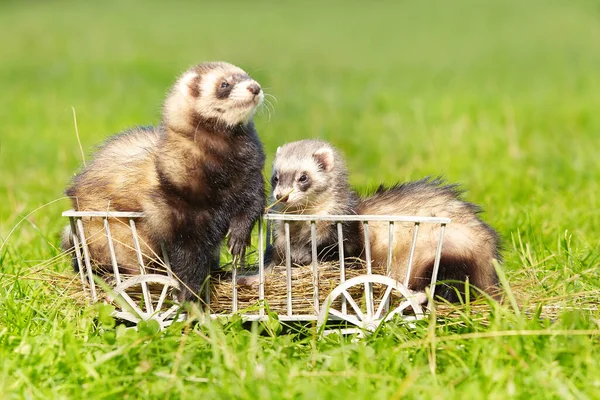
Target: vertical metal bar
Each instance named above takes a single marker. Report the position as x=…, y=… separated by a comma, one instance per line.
x=384, y=307
x=111, y=249
x=77, y=249
x=164, y=292
x=207, y=286
x=162, y=297
x=288, y=266
x=269, y=230
x=388, y=269
x=438, y=256
x=411, y=254
x=208, y=282
x=138, y=250
x=340, y=232
x=368, y=285
x=166, y=260
x=261, y=266
x=367, y=246
x=86, y=259
x=315, y=264
x=234, y=294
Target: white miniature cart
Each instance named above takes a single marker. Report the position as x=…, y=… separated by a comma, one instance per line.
x=362, y=302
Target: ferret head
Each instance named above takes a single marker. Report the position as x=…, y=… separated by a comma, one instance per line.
x=212, y=94
x=306, y=177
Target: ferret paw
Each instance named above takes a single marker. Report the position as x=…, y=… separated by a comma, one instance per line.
x=248, y=280
x=237, y=246
x=254, y=279
x=421, y=297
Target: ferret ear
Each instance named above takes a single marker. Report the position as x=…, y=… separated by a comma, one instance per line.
x=188, y=84
x=324, y=157
x=278, y=150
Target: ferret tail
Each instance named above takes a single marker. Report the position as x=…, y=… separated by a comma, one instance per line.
x=454, y=272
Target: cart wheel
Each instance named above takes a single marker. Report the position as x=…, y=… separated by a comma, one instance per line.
x=368, y=300
x=151, y=305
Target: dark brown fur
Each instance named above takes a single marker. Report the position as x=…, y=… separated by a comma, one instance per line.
x=195, y=178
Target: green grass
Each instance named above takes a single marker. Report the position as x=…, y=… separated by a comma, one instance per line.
x=500, y=96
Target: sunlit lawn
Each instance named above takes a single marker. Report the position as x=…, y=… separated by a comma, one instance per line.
x=501, y=97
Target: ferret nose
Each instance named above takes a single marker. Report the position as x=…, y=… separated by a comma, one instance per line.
x=281, y=198
x=254, y=88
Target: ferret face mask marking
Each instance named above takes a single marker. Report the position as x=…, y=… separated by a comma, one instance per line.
x=297, y=181
x=225, y=93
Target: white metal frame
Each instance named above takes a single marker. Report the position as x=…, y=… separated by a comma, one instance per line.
x=364, y=321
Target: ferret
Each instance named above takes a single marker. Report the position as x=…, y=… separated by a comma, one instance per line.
x=315, y=185
x=309, y=177
x=197, y=176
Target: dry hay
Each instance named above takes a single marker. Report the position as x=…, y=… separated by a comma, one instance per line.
x=221, y=289
x=275, y=289
x=69, y=284
x=72, y=286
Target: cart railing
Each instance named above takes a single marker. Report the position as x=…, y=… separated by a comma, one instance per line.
x=152, y=307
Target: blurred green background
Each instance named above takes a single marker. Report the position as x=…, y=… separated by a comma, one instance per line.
x=499, y=96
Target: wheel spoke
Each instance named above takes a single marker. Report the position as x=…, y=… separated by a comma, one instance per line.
x=383, y=302
x=127, y=316
x=167, y=313
x=161, y=299
x=139, y=281
x=398, y=310
x=354, y=305
x=350, y=318
x=371, y=319
x=369, y=299
x=141, y=314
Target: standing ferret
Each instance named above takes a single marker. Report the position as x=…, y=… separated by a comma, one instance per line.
x=309, y=177
x=196, y=177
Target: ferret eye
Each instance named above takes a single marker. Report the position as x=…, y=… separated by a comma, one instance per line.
x=224, y=85
x=275, y=180
x=303, y=178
